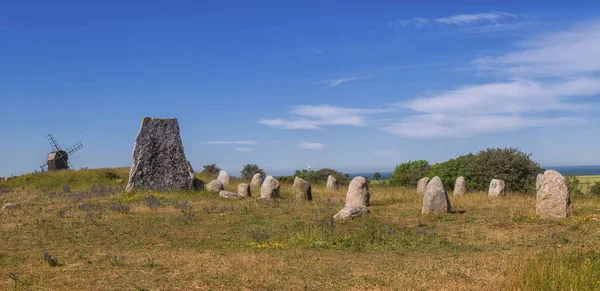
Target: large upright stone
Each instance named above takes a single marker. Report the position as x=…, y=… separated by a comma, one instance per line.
x=436, y=199
x=497, y=188
x=553, y=199
x=257, y=179
x=223, y=177
x=538, y=181
x=460, y=187
x=357, y=200
x=158, y=159
x=244, y=190
x=215, y=186
x=332, y=183
x=422, y=185
x=302, y=189
x=269, y=188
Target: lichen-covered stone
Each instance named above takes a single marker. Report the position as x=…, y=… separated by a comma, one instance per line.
x=553, y=199
x=215, y=186
x=332, y=183
x=357, y=200
x=159, y=161
x=497, y=188
x=422, y=185
x=223, y=177
x=269, y=188
x=460, y=187
x=538, y=181
x=302, y=189
x=230, y=195
x=257, y=180
x=436, y=199
x=244, y=190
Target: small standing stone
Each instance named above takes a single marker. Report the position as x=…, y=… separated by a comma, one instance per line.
x=230, y=195
x=302, y=189
x=538, y=181
x=223, y=177
x=332, y=183
x=436, y=199
x=422, y=185
x=215, y=186
x=460, y=187
x=269, y=188
x=257, y=179
x=244, y=190
x=553, y=199
x=357, y=200
x=497, y=188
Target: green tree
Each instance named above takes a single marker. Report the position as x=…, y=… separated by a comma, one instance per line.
x=250, y=169
x=595, y=189
x=376, y=176
x=449, y=170
x=211, y=169
x=409, y=173
x=320, y=176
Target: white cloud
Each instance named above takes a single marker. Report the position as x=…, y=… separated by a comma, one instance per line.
x=315, y=117
x=572, y=52
x=551, y=77
x=246, y=142
x=243, y=149
x=337, y=82
x=311, y=146
x=459, y=19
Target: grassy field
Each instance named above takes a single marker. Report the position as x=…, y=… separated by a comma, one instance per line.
x=96, y=236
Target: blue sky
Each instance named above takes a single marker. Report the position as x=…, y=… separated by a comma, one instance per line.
x=352, y=85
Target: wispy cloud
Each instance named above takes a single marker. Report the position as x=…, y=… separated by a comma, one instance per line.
x=246, y=142
x=458, y=19
x=244, y=149
x=311, y=146
x=572, y=52
x=548, y=81
x=337, y=82
x=315, y=117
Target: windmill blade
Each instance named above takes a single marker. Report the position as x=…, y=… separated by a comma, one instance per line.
x=44, y=167
x=74, y=148
x=53, y=142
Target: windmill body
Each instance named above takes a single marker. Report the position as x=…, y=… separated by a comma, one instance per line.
x=58, y=159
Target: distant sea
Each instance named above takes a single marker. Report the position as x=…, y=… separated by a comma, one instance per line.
x=564, y=170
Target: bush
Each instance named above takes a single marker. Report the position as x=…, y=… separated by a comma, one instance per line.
x=450, y=170
x=513, y=166
x=595, y=189
x=211, y=169
x=409, y=173
x=321, y=175
x=573, y=185
x=250, y=169
x=376, y=176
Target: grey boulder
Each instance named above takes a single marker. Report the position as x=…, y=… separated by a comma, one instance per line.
x=215, y=186
x=269, y=188
x=553, y=199
x=244, y=190
x=497, y=188
x=357, y=200
x=302, y=189
x=422, y=185
x=460, y=187
x=436, y=199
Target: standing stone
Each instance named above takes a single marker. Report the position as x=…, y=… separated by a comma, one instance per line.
x=357, y=200
x=257, y=179
x=436, y=199
x=244, y=190
x=422, y=185
x=332, y=183
x=223, y=177
x=553, y=199
x=215, y=186
x=230, y=195
x=538, y=181
x=269, y=188
x=496, y=188
x=460, y=187
x=158, y=159
x=302, y=189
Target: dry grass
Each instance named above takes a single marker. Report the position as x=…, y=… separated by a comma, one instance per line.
x=489, y=244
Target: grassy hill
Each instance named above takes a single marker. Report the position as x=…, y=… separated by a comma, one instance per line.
x=96, y=236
